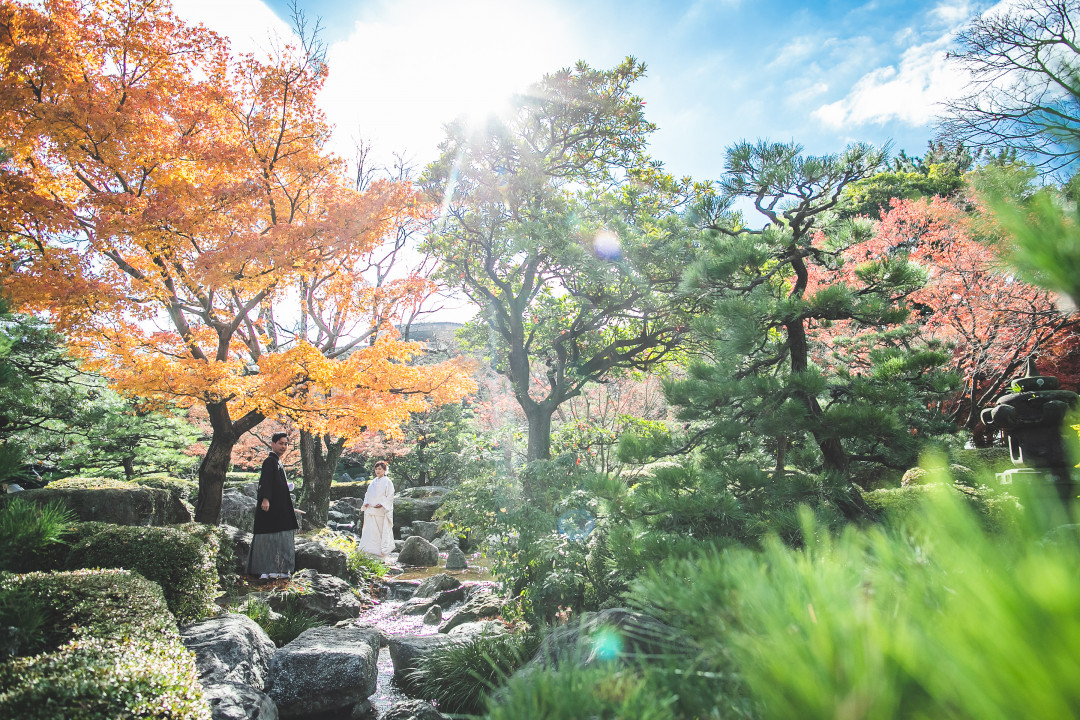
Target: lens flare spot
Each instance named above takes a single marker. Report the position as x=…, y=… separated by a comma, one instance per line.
x=606, y=245
x=607, y=644
x=576, y=524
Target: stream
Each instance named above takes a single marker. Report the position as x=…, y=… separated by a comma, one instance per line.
x=384, y=616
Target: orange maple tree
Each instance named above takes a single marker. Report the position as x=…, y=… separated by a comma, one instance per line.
x=990, y=320
x=162, y=199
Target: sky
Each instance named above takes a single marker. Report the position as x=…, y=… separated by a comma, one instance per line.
x=823, y=74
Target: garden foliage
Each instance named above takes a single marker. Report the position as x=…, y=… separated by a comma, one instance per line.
x=106, y=647
x=183, y=563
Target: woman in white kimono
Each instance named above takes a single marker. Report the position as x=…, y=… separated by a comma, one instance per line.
x=377, y=537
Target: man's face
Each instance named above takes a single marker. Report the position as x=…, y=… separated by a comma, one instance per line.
x=280, y=446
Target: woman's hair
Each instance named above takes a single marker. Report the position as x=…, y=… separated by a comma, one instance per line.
x=382, y=463
x=277, y=436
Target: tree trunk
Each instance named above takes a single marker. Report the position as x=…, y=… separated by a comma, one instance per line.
x=128, y=462
x=539, y=417
x=215, y=463
x=212, y=473
x=319, y=456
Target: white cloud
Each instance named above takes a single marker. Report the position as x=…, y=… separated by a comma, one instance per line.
x=909, y=92
x=250, y=25
x=950, y=13
x=412, y=65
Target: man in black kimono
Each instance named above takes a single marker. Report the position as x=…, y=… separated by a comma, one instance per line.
x=271, y=554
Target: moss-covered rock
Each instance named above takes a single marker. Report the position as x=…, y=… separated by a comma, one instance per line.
x=112, y=501
x=348, y=489
x=184, y=563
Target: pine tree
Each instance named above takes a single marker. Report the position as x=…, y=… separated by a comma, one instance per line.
x=757, y=393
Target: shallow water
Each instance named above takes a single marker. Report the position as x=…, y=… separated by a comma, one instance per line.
x=383, y=615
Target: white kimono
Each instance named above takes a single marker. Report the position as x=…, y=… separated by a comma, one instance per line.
x=377, y=537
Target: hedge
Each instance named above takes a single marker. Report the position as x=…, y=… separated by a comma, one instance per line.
x=183, y=563
x=112, y=652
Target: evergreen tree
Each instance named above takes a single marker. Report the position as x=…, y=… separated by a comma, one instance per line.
x=757, y=392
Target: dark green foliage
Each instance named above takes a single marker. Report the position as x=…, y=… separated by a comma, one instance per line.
x=460, y=677
x=29, y=531
x=547, y=570
x=108, y=648
x=184, y=564
x=766, y=392
x=282, y=627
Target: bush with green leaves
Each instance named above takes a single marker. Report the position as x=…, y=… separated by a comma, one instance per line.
x=459, y=677
x=283, y=627
x=28, y=532
x=106, y=647
x=183, y=563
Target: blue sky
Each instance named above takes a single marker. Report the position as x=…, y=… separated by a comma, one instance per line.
x=823, y=74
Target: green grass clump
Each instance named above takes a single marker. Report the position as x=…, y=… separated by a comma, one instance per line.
x=183, y=563
x=28, y=532
x=362, y=567
x=460, y=676
x=592, y=692
x=282, y=627
x=102, y=644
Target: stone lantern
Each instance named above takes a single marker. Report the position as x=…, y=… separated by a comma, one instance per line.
x=1032, y=417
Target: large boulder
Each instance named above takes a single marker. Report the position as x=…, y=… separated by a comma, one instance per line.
x=400, y=589
x=424, y=529
x=455, y=559
x=238, y=510
x=412, y=710
x=329, y=598
x=436, y=584
x=241, y=545
x=406, y=652
x=134, y=505
x=329, y=670
x=419, y=503
x=237, y=701
x=483, y=603
x=230, y=648
x=480, y=627
x=419, y=552
x=321, y=558
x=348, y=507
x=447, y=543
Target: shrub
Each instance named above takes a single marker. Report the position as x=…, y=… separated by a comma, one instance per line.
x=283, y=627
x=453, y=674
x=83, y=603
x=182, y=563
x=28, y=530
x=109, y=649
x=102, y=679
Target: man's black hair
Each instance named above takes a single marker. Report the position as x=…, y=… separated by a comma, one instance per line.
x=277, y=436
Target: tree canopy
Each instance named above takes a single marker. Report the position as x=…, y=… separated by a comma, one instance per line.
x=162, y=196
x=566, y=234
